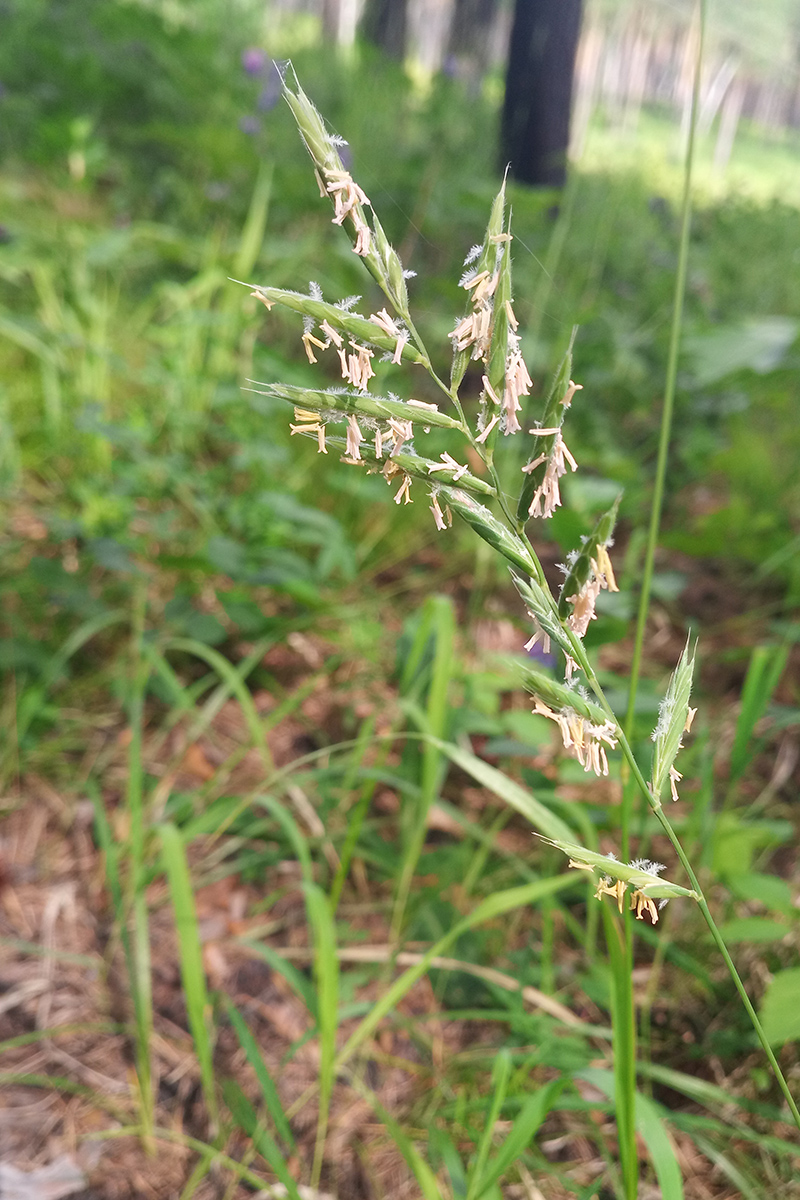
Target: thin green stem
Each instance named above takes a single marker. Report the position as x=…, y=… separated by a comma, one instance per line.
x=666, y=430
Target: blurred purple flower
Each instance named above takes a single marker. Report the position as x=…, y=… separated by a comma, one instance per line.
x=271, y=91
x=253, y=60
x=539, y=656
x=249, y=125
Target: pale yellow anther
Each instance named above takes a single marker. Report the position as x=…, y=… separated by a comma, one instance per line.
x=570, y=392
x=331, y=333
x=606, y=888
x=603, y=567
x=490, y=390
x=404, y=492
x=483, y=436
x=641, y=903
x=258, y=296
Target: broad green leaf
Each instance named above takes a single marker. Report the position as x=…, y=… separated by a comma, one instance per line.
x=756, y=344
x=770, y=890
x=780, y=1007
x=753, y=929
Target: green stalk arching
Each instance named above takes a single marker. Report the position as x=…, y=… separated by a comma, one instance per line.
x=665, y=433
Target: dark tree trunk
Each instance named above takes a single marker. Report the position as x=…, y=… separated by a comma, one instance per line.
x=384, y=24
x=534, y=134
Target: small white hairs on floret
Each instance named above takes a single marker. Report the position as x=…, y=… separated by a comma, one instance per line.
x=645, y=864
x=314, y=290
x=474, y=252
x=348, y=303
x=336, y=140
x=664, y=716
x=409, y=274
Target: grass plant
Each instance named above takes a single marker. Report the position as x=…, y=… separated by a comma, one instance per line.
x=488, y=334
x=309, y=893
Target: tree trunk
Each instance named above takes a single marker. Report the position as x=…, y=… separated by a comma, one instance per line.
x=534, y=134
x=384, y=24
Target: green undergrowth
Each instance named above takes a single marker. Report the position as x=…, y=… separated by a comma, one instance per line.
x=164, y=536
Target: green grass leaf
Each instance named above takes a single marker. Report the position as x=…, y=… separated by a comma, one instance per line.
x=501, y=1073
x=767, y=664
x=246, y=1118
x=517, y=797
x=494, y=906
x=533, y=1111
x=198, y=1008
x=326, y=975
x=265, y=1082
x=299, y=983
x=651, y=1128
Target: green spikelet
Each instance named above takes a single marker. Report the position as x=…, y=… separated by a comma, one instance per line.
x=672, y=716
x=581, y=567
x=490, y=529
x=357, y=404
x=486, y=262
x=552, y=418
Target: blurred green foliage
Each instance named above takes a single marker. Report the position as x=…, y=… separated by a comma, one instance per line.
x=146, y=160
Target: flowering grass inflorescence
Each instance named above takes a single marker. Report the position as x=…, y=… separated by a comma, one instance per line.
x=385, y=433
